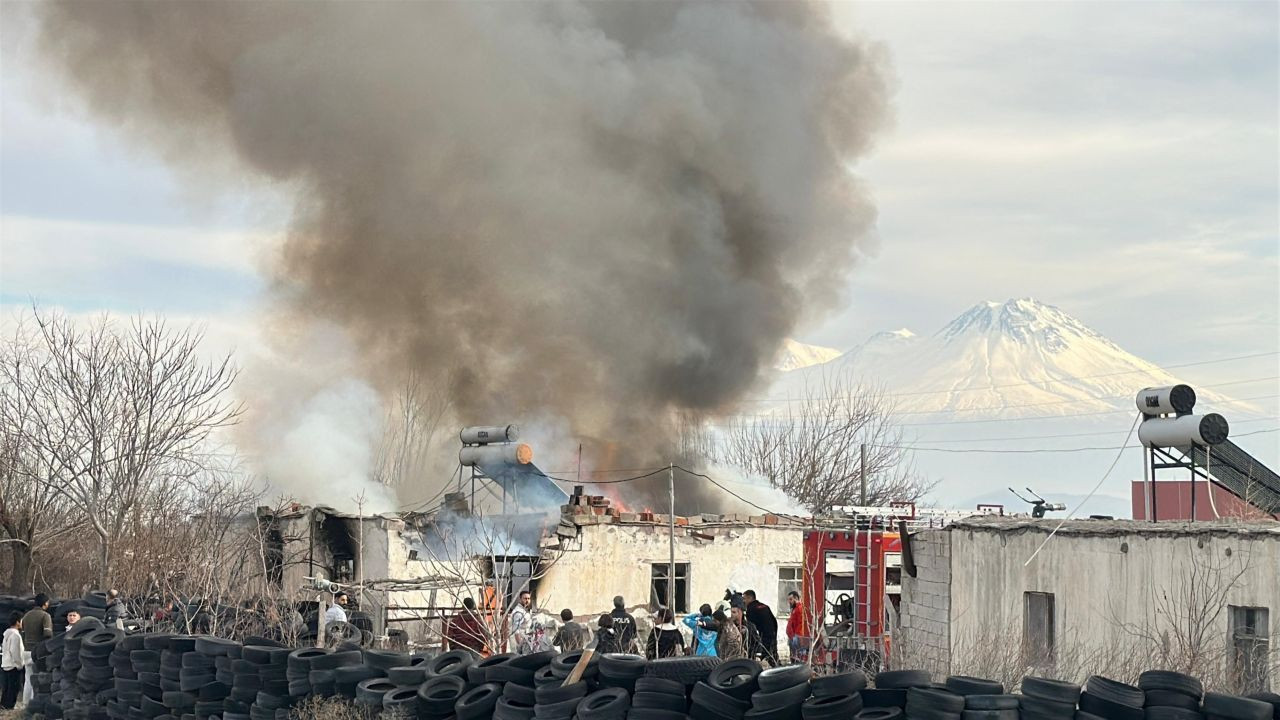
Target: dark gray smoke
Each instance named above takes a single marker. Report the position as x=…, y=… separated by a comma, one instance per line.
x=606, y=211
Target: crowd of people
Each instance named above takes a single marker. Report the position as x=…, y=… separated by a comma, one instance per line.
x=739, y=626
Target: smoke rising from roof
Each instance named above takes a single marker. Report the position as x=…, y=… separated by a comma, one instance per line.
x=612, y=211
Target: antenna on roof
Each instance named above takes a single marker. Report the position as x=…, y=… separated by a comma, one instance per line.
x=1039, y=506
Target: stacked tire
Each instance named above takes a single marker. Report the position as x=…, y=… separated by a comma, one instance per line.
x=782, y=693
x=445, y=684
x=1112, y=700
x=890, y=693
x=1049, y=699
x=127, y=686
x=835, y=697
x=271, y=665
x=983, y=699
x=216, y=675
x=146, y=665
x=621, y=670
x=1170, y=695
x=552, y=699
x=324, y=670
x=661, y=699
x=96, y=679
x=1218, y=706
x=931, y=703
x=372, y=692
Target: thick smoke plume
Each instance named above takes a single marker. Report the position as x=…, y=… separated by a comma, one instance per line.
x=607, y=211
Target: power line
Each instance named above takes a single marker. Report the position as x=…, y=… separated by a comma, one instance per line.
x=1062, y=379
x=1001, y=451
x=606, y=482
x=1136, y=419
x=1049, y=437
x=782, y=423
x=711, y=480
x=1035, y=404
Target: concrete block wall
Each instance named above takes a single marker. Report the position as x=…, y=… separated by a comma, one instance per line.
x=923, y=638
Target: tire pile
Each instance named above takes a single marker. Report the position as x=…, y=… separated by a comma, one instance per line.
x=1159, y=695
x=97, y=673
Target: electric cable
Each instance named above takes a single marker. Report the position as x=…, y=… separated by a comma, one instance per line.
x=1136, y=419
x=1062, y=379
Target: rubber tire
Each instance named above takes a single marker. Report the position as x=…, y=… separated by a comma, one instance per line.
x=1166, y=712
x=1169, y=698
x=520, y=693
x=736, y=678
x=438, y=695
x=782, y=713
x=508, y=709
x=1114, y=691
x=781, y=678
x=991, y=702
x=876, y=713
x=884, y=697
x=846, y=683
x=966, y=685
x=622, y=665
x=1234, y=706
x=1050, y=689
x=385, y=659
x=793, y=695
x=534, y=661
x=1172, y=682
x=1109, y=708
x=1046, y=708
x=562, y=708
x=687, y=671
x=660, y=701
x=549, y=694
x=636, y=713
x=933, y=699
x=704, y=694
x=564, y=663
x=903, y=679
x=655, y=685
x=831, y=707
x=607, y=703
x=479, y=701
x=1003, y=714
x=452, y=663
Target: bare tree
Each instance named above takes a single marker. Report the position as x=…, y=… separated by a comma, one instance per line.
x=121, y=416
x=811, y=450
x=413, y=421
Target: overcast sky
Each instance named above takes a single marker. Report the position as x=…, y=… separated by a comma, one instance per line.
x=1117, y=160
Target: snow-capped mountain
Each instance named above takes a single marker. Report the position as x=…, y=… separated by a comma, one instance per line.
x=1018, y=358
x=1016, y=393
x=795, y=355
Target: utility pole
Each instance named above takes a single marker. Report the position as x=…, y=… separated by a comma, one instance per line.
x=862, y=475
x=671, y=545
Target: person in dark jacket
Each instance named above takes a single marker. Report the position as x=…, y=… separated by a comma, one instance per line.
x=624, y=623
x=608, y=639
x=37, y=625
x=762, y=617
x=571, y=635
x=666, y=640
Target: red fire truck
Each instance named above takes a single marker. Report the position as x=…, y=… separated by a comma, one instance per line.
x=853, y=578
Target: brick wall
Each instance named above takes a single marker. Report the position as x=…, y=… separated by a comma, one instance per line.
x=923, y=639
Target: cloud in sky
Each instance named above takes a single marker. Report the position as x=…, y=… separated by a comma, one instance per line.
x=1116, y=159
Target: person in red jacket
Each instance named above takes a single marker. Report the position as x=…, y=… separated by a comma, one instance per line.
x=465, y=630
x=798, y=639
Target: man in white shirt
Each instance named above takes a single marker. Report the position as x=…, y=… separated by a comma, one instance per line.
x=13, y=663
x=337, y=611
x=522, y=625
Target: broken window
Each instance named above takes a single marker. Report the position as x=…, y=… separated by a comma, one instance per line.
x=1037, y=628
x=660, y=579
x=790, y=578
x=1250, y=648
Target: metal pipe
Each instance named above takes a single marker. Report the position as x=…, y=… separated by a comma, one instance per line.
x=862, y=461
x=671, y=543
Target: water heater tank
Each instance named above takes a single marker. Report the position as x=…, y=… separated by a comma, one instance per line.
x=483, y=435
x=1179, y=399
x=1182, y=432
x=489, y=455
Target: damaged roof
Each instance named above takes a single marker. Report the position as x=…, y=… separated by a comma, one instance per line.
x=1015, y=524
